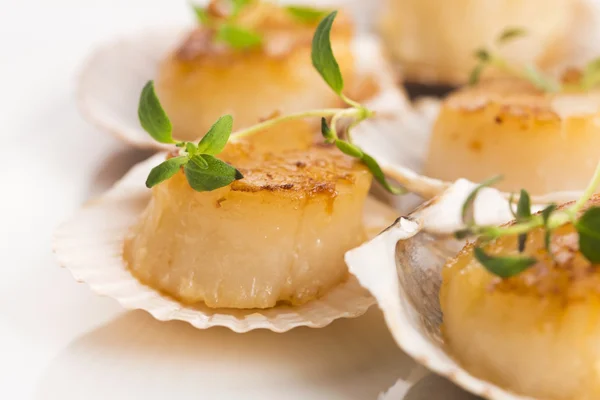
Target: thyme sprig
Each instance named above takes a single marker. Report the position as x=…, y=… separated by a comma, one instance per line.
x=205, y=172
x=487, y=58
x=587, y=226
x=229, y=30
x=588, y=79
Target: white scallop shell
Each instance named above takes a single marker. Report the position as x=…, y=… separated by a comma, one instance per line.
x=402, y=268
x=89, y=245
x=115, y=73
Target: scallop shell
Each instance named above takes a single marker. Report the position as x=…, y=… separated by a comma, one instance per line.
x=402, y=268
x=114, y=74
x=89, y=245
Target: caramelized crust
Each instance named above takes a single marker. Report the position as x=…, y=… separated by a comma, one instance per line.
x=564, y=274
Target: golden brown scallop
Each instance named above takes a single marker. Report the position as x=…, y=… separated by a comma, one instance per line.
x=278, y=235
x=204, y=78
x=542, y=141
x=536, y=333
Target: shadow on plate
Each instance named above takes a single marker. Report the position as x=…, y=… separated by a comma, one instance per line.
x=113, y=167
x=136, y=357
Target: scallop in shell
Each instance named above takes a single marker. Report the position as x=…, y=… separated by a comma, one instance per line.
x=549, y=153
x=90, y=246
x=402, y=269
x=114, y=74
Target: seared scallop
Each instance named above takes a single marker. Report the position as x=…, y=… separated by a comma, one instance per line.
x=433, y=41
x=542, y=141
x=205, y=78
x=277, y=235
x=536, y=333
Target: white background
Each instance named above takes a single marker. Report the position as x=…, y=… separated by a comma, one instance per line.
x=60, y=341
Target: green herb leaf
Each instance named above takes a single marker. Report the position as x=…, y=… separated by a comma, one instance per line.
x=523, y=214
x=463, y=233
x=165, y=170
x=482, y=55
x=201, y=14
x=524, y=206
x=467, y=208
x=476, y=74
x=238, y=38
x=588, y=227
x=217, y=136
x=326, y=131
x=504, y=267
x=591, y=74
x=379, y=175
x=537, y=78
x=349, y=148
x=307, y=15
x=190, y=148
x=152, y=117
x=510, y=34
x=546, y=212
x=322, y=55
x=238, y=5
x=217, y=174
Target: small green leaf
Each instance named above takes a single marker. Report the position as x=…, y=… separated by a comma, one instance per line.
x=524, y=206
x=322, y=55
x=201, y=14
x=467, y=208
x=510, y=34
x=152, y=117
x=504, y=267
x=217, y=136
x=199, y=162
x=238, y=38
x=379, y=175
x=165, y=170
x=463, y=233
x=190, y=148
x=307, y=15
x=349, y=148
x=217, y=174
x=588, y=227
x=591, y=74
x=537, y=79
x=238, y=5
x=326, y=131
x=482, y=55
x=476, y=74
x=523, y=214
x=546, y=212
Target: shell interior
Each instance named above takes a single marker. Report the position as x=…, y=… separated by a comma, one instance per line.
x=402, y=268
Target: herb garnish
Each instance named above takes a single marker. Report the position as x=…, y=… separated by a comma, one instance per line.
x=205, y=172
x=487, y=58
x=589, y=78
x=229, y=31
x=226, y=26
x=587, y=226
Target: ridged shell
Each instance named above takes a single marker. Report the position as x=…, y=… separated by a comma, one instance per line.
x=90, y=244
